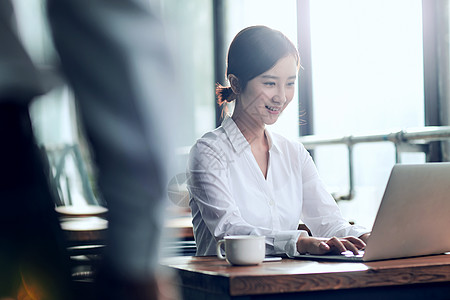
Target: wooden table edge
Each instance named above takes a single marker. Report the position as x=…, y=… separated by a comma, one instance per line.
x=289, y=283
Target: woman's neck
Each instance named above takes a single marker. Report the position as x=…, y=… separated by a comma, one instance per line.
x=254, y=133
x=252, y=130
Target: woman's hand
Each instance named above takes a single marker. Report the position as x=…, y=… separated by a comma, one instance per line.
x=336, y=245
x=365, y=237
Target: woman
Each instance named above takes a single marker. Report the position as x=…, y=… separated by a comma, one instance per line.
x=242, y=179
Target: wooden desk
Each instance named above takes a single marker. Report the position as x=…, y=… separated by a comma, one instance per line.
x=411, y=278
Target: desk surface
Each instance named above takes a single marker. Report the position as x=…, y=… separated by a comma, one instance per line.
x=214, y=276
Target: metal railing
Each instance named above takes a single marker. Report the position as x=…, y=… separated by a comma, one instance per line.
x=411, y=140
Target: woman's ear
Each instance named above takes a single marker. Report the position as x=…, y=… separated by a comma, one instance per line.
x=234, y=83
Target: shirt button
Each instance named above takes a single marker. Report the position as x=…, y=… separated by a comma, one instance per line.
x=271, y=203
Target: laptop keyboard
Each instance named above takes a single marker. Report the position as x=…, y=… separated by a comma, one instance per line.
x=351, y=256
x=344, y=256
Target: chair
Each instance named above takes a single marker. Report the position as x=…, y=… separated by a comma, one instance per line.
x=82, y=215
x=69, y=175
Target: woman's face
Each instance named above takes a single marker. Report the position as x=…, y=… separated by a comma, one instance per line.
x=268, y=94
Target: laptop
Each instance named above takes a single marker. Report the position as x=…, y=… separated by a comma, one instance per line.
x=413, y=218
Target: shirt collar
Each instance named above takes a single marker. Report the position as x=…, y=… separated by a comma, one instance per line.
x=238, y=140
x=273, y=144
x=235, y=136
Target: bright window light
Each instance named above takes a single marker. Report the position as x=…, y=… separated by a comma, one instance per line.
x=367, y=65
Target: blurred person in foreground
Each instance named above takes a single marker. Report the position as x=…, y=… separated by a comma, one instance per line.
x=114, y=55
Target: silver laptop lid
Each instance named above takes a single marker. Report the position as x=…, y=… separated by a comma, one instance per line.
x=414, y=214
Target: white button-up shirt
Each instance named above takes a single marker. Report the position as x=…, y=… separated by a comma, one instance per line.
x=229, y=194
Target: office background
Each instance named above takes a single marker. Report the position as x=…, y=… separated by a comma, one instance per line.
x=368, y=66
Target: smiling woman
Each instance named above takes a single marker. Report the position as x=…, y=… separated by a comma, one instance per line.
x=244, y=179
x=268, y=94
x=280, y=15
x=268, y=77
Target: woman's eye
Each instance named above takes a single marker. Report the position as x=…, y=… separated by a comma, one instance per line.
x=269, y=83
x=291, y=83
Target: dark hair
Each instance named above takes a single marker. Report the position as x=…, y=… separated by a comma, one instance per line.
x=253, y=51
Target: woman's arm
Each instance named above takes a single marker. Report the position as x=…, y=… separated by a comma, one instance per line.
x=320, y=211
x=332, y=233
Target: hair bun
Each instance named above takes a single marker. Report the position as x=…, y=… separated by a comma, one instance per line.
x=224, y=94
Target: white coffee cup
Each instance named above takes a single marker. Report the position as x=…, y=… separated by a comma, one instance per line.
x=242, y=249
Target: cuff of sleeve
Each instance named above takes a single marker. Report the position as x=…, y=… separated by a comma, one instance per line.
x=286, y=242
x=358, y=231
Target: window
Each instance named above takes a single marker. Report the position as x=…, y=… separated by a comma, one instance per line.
x=367, y=74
